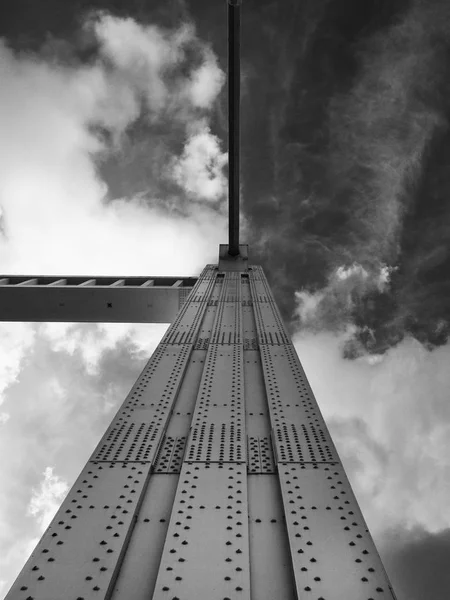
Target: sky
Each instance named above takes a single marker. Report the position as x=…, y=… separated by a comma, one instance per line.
x=113, y=161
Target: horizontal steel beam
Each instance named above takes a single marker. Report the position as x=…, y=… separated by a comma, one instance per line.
x=92, y=299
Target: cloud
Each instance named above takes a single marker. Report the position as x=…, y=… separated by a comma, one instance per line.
x=344, y=139
x=47, y=498
x=200, y=169
x=417, y=563
x=59, y=121
x=17, y=339
x=332, y=308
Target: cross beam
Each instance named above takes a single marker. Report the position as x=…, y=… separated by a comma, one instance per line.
x=93, y=299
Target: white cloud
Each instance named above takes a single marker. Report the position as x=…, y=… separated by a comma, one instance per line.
x=330, y=308
x=200, y=168
x=50, y=193
x=390, y=421
x=46, y=499
x=206, y=81
x=16, y=339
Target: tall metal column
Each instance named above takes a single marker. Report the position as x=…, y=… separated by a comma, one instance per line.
x=217, y=478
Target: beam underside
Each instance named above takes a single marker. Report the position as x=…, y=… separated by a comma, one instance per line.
x=104, y=300
x=217, y=478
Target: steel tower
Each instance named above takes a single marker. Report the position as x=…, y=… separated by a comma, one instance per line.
x=217, y=478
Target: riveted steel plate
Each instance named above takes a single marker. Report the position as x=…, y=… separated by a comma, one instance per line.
x=231, y=291
x=136, y=430
x=203, y=287
x=249, y=328
x=300, y=433
x=209, y=272
x=269, y=325
x=206, y=554
x=216, y=291
x=227, y=327
x=170, y=455
x=218, y=426
x=271, y=576
x=80, y=553
x=256, y=407
x=260, y=290
x=188, y=391
x=185, y=327
x=155, y=388
x=333, y=554
x=139, y=570
x=256, y=272
x=206, y=327
x=246, y=295
x=260, y=455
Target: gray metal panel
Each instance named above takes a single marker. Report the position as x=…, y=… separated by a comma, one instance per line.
x=260, y=455
x=227, y=328
x=256, y=407
x=269, y=325
x=186, y=325
x=209, y=272
x=271, y=575
x=206, y=554
x=218, y=426
x=209, y=315
x=299, y=429
x=139, y=570
x=201, y=292
x=260, y=290
x=231, y=290
x=246, y=294
x=170, y=455
x=249, y=328
x=45, y=280
x=135, y=432
x=216, y=292
x=204, y=334
x=93, y=303
x=80, y=553
x=332, y=552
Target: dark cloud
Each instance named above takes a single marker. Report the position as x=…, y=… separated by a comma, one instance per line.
x=417, y=563
x=351, y=100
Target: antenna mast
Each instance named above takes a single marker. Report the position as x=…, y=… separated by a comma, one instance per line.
x=234, y=23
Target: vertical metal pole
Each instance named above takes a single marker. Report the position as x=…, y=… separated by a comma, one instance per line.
x=234, y=18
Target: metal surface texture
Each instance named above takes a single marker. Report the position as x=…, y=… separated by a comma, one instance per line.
x=217, y=478
x=94, y=299
x=332, y=551
x=206, y=554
